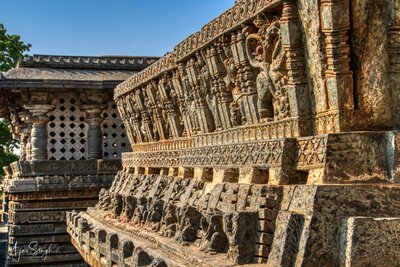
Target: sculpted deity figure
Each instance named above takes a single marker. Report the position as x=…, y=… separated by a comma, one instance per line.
x=189, y=98
x=152, y=113
x=241, y=230
x=154, y=214
x=211, y=98
x=213, y=237
x=129, y=206
x=117, y=206
x=237, y=106
x=164, y=113
x=188, y=224
x=140, y=210
x=104, y=200
x=265, y=51
x=168, y=228
x=134, y=115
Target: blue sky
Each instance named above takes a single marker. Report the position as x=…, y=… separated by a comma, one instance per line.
x=101, y=27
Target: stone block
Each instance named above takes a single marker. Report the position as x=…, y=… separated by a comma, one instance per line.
x=367, y=241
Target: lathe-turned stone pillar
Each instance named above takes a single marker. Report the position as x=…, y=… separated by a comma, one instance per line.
x=95, y=136
x=39, y=130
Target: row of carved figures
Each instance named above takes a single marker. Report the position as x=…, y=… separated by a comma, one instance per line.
x=234, y=233
x=240, y=79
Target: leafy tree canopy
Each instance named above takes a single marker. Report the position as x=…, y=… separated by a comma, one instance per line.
x=12, y=48
x=7, y=145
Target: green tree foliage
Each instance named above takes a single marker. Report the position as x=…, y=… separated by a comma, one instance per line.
x=11, y=49
x=7, y=145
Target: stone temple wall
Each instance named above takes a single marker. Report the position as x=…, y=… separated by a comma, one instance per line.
x=72, y=136
x=267, y=138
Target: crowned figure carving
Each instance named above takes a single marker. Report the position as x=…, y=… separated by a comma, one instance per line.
x=266, y=53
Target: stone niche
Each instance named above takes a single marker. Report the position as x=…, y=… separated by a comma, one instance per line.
x=269, y=137
x=72, y=136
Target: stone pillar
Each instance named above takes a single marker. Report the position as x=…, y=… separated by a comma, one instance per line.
x=39, y=130
x=95, y=136
x=218, y=72
x=22, y=131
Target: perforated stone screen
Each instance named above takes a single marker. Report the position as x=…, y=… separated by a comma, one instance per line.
x=115, y=140
x=67, y=130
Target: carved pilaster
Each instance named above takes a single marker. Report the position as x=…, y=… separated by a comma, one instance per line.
x=183, y=102
x=133, y=117
x=155, y=107
x=25, y=130
x=245, y=77
x=39, y=130
x=218, y=73
x=335, y=23
x=203, y=113
x=297, y=87
x=146, y=127
x=171, y=109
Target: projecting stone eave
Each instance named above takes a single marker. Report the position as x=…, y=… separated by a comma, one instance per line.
x=54, y=84
x=131, y=63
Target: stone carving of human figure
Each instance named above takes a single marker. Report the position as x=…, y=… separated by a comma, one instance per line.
x=169, y=221
x=144, y=132
x=164, y=115
x=140, y=210
x=265, y=51
x=235, y=114
x=189, y=99
x=235, y=90
x=210, y=96
x=277, y=72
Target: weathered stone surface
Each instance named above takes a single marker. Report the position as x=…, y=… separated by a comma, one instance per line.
x=367, y=241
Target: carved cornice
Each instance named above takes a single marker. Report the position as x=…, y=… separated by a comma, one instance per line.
x=83, y=62
x=162, y=65
x=234, y=17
